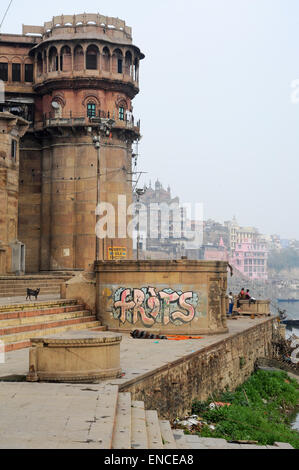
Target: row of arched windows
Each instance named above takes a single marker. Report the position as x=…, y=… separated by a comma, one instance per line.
x=91, y=59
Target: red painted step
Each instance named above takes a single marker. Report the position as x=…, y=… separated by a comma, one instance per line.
x=43, y=326
x=37, y=313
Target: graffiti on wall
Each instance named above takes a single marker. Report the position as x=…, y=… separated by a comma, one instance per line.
x=151, y=306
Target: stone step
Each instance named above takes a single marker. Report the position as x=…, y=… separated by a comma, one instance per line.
x=195, y=442
x=33, y=331
x=27, y=282
x=102, y=429
x=42, y=275
x=13, y=282
x=23, y=295
x=21, y=324
x=122, y=431
x=153, y=430
x=17, y=345
x=139, y=432
x=32, y=281
x=179, y=435
x=27, y=305
x=23, y=290
x=27, y=343
x=24, y=315
x=168, y=439
x=16, y=282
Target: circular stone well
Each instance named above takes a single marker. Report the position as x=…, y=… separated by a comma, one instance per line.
x=75, y=357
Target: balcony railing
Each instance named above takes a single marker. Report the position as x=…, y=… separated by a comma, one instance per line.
x=71, y=119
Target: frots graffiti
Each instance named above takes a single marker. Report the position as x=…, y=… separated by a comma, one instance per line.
x=151, y=306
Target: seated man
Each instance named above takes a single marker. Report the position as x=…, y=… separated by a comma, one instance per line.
x=252, y=300
x=241, y=296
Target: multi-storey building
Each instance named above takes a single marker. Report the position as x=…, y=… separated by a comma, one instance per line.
x=73, y=80
x=240, y=234
x=250, y=258
x=162, y=222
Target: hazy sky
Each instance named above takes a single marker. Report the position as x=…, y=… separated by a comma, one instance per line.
x=217, y=119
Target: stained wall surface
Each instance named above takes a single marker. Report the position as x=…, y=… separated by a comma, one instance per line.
x=163, y=297
x=11, y=130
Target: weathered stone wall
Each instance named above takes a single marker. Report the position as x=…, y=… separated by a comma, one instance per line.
x=11, y=129
x=30, y=200
x=164, y=297
x=226, y=364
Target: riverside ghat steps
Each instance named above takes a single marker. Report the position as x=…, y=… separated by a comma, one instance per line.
x=93, y=417
x=49, y=284
x=105, y=415
x=21, y=322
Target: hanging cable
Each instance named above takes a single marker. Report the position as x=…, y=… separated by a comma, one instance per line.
x=5, y=14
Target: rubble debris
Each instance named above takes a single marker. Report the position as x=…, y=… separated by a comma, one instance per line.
x=218, y=404
x=284, y=350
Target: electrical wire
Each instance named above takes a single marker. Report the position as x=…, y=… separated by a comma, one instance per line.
x=5, y=14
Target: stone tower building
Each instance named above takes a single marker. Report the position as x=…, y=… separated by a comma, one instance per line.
x=74, y=80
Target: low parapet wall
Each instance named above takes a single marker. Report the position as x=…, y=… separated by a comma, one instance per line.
x=225, y=364
x=163, y=297
x=259, y=307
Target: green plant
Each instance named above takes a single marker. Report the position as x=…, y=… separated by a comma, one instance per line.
x=260, y=411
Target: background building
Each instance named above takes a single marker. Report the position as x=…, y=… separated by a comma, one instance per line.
x=165, y=229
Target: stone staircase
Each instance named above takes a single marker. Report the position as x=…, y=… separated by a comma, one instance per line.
x=134, y=427
x=20, y=322
x=16, y=286
x=137, y=428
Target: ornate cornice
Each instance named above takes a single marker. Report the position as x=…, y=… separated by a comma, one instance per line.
x=106, y=84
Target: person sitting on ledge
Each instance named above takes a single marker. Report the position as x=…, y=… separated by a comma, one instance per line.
x=241, y=296
x=252, y=300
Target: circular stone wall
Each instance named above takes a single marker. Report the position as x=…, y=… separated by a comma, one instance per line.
x=75, y=357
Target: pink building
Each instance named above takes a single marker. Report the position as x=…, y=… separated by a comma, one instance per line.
x=250, y=258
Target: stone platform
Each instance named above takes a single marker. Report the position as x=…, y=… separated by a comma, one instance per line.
x=158, y=375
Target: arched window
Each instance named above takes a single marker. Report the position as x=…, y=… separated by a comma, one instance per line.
x=78, y=58
x=122, y=108
x=4, y=69
x=121, y=113
x=45, y=62
x=66, y=59
x=136, y=70
x=53, y=60
x=92, y=58
x=128, y=63
x=117, y=61
x=91, y=109
x=16, y=70
x=39, y=64
x=106, y=59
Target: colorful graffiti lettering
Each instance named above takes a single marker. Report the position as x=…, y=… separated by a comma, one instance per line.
x=150, y=307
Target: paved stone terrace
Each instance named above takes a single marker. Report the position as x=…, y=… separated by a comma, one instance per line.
x=42, y=415
x=134, y=354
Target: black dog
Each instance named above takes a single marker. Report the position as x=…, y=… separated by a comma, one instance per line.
x=33, y=293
